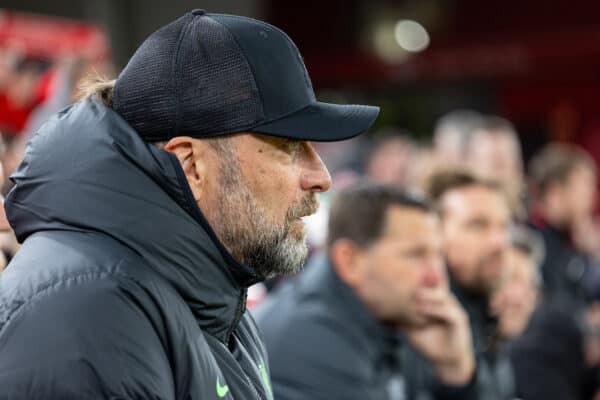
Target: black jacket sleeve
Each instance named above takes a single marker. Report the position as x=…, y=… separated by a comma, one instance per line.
x=548, y=358
x=469, y=391
x=83, y=340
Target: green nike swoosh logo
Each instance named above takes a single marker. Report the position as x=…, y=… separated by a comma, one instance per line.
x=221, y=390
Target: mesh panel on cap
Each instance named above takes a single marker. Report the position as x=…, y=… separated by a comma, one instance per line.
x=217, y=90
x=144, y=90
x=198, y=85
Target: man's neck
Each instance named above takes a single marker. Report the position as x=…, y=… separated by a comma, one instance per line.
x=466, y=293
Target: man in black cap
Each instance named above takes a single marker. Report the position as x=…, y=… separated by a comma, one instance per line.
x=147, y=209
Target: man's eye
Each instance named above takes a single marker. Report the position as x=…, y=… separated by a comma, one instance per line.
x=415, y=254
x=477, y=225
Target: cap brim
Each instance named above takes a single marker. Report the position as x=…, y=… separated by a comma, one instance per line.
x=322, y=122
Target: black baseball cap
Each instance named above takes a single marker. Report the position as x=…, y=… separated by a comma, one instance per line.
x=206, y=75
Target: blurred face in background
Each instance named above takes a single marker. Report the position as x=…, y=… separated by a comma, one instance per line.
x=391, y=161
x=515, y=299
x=475, y=222
x=569, y=203
x=495, y=154
x=406, y=260
x=449, y=147
x=579, y=192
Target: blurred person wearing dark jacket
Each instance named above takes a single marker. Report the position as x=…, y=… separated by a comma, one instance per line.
x=362, y=319
x=563, y=180
x=148, y=208
x=544, y=342
x=548, y=357
x=518, y=295
x=476, y=217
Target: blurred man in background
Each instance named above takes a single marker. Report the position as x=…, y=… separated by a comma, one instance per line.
x=545, y=344
x=517, y=296
x=493, y=152
x=475, y=219
x=563, y=182
x=334, y=331
x=451, y=136
x=563, y=179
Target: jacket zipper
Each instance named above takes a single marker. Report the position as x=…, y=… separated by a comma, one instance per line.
x=239, y=311
x=238, y=315
x=253, y=388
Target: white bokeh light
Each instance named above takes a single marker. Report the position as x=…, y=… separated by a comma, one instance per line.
x=411, y=36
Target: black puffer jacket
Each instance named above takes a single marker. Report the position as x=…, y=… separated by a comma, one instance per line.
x=121, y=290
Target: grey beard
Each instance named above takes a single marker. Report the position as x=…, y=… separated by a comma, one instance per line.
x=268, y=249
x=280, y=253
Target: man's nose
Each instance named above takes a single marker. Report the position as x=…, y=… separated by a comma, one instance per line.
x=434, y=274
x=499, y=238
x=514, y=293
x=315, y=176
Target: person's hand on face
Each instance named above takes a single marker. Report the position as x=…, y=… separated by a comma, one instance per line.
x=444, y=337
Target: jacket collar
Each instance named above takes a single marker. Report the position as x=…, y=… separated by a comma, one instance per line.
x=88, y=170
x=321, y=283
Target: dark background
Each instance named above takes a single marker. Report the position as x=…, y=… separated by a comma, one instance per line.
x=534, y=62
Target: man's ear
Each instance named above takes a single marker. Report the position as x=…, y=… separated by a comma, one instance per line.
x=190, y=153
x=347, y=259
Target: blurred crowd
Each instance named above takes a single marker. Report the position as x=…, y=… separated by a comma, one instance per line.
x=524, y=265
x=32, y=88
x=521, y=241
